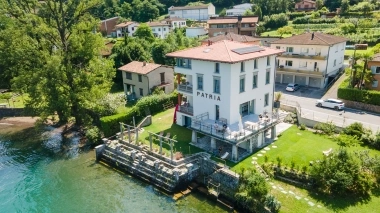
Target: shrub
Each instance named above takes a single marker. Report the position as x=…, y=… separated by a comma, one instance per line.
x=364, y=96
x=355, y=129
x=347, y=140
x=93, y=135
x=327, y=128
x=302, y=127
x=272, y=203
x=276, y=20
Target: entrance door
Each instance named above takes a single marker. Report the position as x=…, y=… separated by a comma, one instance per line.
x=216, y=112
x=244, y=109
x=162, y=76
x=187, y=121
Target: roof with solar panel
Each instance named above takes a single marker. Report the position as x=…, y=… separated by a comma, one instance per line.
x=225, y=51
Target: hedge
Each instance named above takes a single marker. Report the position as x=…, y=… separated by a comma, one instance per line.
x=364, y=96
x=306, y=20
x=110, y=124
x=294, y=15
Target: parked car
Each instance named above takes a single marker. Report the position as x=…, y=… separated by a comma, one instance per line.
x=330, y=103
x=292, y=87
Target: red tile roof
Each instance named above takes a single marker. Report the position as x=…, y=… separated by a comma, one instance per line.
x=233, y=37
x=222, y=52
x=124, y=24
x=305, y=39
x=139, y=67
x=156, y=24
x=232, y=20
x=376, y=57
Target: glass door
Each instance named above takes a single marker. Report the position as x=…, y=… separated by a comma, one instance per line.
x=244, y=109
x=216, y=112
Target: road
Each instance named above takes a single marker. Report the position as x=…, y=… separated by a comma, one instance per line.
x=306, y=98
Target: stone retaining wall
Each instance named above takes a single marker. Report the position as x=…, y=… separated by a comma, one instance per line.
x=361, y=106
x=12, y=112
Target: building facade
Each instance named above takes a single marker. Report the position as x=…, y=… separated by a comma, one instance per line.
x=232, y=24
x=309, y=58
x=239, y=10
x=107, y=27
x=128, y=28
x=305, y=5
x=139, y=78
x=175, y=22
x=200, y=13
x=192, y=32
x=160, y=30
x=227, y=84
x=374, y=66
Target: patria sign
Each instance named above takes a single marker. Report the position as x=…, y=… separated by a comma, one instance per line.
x=209, y=96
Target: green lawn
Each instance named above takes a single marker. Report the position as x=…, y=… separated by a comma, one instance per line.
x=163, y=122
x=273, y=33
x=16, y=101
x=351, y=52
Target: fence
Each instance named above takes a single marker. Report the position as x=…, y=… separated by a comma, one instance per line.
x=340, y=121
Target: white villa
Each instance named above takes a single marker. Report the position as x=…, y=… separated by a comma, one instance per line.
x=160, y=30
x=239, y=9
x=309, y=58
x=200, y=13
x=175, y=22
x=128, y=27
x=227, y=95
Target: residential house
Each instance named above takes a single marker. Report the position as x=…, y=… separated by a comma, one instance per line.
x=200, y=12
x=128, y=27
x=309, y=58
x=175, y=22
x=267, y=40
x=228, y=86
x=140, y=78
x=239, y=10
x=305, y=5
x=192, y=32
x=236, y=24
x=374, y=66
x=160, y=30
x=233, y=37
x=107, y=26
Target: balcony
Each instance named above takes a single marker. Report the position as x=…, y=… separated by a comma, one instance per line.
x=185, y=88
x=309, y=72
x=304, y=56
x=247, y=28
x=186, y=109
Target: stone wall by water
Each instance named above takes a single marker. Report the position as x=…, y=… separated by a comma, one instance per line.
x=13, y=112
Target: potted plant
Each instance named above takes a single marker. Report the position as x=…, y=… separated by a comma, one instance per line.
x=277, y=98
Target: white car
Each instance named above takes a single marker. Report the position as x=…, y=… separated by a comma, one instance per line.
x=331, y=103
x=292, y=87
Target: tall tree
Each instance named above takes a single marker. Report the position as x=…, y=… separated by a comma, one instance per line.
x=68, y=75
x=319, y=4
x=144, y=32
x=344, y=7
x=366, y=57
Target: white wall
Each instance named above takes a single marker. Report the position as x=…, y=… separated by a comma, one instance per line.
x=195, y=31
x=336, y=53
x=131, y=29
x=195, y=14
x=160, y=31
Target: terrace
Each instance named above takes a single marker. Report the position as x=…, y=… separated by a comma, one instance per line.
x=309, y=72
x=305, y=56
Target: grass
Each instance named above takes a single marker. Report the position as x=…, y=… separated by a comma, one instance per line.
x=351, y=52
x=163, y=122
x=273, y=33
x=15, y=102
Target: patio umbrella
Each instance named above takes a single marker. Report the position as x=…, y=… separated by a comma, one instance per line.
x=240, y=125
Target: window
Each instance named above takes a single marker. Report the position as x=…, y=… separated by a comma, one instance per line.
x=183, y=23
x=303, y=63
x=217, y=65
x=162, y=77
x=128, y=75
x=159, y=29
x=377, y=70
x=334, y=62
x=278, y=47
x=289, y=63
x=140, y=78
x=375, y=83
x=141, y=92
x=172, y=12
x=305, y=50
x=254, y=83
x=267, y=77
x=266, y=100
x=164, y=29
x=242, y=84
x=217, y=85
x=255, y=64
x=133, y=28
x=289, y=49
x=242, y=67
x=268, y=61
x=200, y=81
x=184, y=63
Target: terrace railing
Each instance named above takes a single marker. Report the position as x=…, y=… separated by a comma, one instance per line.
x=185, y=88
x=310, y=72
x=294, y=55
x=186, y=109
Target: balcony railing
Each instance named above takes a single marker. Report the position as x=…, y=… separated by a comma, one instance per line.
x=310, y=72
x=185, y=88
x=293, y=55
x=186, y=109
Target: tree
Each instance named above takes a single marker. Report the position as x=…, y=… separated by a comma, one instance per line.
x=319, y=4
x=68, y=75
x=223, y=12
x=366, y=57
x=258, y=13
x=248, y=12
x=144, y=32
x=285, y=30
x=145, y=10
x=332, y=4
x=366, y=7
x=344, y=7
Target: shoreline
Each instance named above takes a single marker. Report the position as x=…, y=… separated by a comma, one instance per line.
x=14, y=124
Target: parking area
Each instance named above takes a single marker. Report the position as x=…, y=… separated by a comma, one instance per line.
x=304, y=91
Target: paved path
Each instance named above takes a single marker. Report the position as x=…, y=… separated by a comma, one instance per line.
x=333, y=91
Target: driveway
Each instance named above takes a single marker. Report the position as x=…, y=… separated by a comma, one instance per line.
x=304, y=91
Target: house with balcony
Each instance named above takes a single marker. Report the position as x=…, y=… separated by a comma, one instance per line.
x=174, y=22
x=239, y=10
x=199, y=12
x=107, y=26
x=305, y=5
x=374, y=66
x=160, y=30
x=140, y=78
x=128, y=27
x=232, y=24
x=226, y=94
x=309, y=59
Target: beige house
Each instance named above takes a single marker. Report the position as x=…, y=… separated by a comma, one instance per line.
x=374, y=66
x=305, y=5
x=232, y=24
x=140, y=78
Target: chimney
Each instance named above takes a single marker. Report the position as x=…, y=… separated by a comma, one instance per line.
x=312, y=36
x=209, y=42
x=144, y=63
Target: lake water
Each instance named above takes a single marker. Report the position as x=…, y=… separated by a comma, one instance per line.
x=52, y=174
